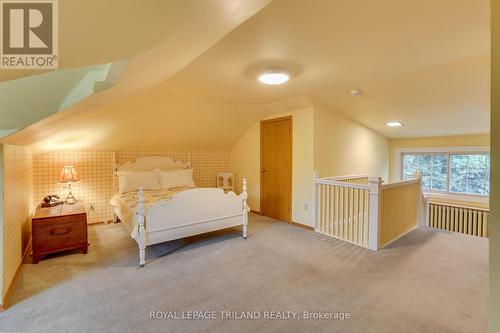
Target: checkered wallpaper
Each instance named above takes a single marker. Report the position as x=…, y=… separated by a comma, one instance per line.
x=18, y=208
x=205, y=164
x=95, y=169
x=96, y=173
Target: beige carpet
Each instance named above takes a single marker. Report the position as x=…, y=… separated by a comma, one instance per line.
x=428, y=281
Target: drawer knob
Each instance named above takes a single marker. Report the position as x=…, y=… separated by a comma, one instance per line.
x=60, y=231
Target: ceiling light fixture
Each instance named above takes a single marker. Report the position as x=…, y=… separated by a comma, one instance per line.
x=394, y=124
x=355, y=93
x=273, y=78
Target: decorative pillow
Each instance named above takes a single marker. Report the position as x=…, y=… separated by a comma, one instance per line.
x=176, y=178
x=129, y=181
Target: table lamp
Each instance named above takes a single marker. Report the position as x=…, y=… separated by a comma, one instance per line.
x=69, y=176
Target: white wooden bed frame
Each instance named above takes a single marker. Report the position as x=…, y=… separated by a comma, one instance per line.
x=194, y=211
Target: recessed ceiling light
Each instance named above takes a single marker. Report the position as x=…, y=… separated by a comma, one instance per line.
x=394, y=124
x=273, y=78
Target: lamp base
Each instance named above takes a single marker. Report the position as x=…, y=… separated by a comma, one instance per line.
x=70, y=199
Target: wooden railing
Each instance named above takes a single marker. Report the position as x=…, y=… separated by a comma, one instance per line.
x=362, y=211
x=354, y=179
x=458, y=218
x=343, y=210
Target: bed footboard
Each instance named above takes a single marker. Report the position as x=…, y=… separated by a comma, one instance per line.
x=189, y=213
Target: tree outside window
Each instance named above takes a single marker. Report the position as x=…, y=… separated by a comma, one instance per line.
x=470, y=174
x=432, y=167
x=457, y=173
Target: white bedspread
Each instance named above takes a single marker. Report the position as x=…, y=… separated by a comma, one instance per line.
x=125, y=204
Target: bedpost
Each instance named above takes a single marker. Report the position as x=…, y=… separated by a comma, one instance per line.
x=245, y=208
x=141, y=231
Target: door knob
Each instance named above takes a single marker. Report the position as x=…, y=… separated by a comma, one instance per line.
x=262, y=170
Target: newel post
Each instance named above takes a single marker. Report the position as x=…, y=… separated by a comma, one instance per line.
x=375, y=211
x=427, y=210
x=420, y=199
x=315, y=200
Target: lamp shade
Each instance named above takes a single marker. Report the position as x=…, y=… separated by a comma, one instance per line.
x=68, y=175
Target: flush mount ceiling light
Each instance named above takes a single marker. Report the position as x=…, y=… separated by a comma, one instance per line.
x=273, y=78
x=355, y=93
x=394, y=124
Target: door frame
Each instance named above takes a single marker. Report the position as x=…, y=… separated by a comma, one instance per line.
x=265, y=121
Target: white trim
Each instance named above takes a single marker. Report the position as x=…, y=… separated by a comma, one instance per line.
x=400, y=183
x=398, y=164
x=346, y=177
x=315, y=200
x=342, y=184
x=374, y=212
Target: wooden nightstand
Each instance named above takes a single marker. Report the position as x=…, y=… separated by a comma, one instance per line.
x=59, y=228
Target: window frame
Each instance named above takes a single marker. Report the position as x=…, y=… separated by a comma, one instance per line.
x=401, y=168
x=448, y=151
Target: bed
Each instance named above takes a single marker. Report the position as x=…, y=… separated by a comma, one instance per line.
x=155, y=215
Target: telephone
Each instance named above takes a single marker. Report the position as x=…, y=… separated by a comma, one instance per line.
x=51, y=201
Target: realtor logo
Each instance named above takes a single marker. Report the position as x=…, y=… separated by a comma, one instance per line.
x=29, y=34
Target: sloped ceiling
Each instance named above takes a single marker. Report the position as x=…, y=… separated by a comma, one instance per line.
x=154, y=119
x=30, y=99
x=95, y=32
x=159, y=37
x=191, y=79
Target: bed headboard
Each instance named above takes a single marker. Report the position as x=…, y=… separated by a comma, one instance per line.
x=153, y=162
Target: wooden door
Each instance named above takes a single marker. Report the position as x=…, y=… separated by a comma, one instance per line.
x=276, y=168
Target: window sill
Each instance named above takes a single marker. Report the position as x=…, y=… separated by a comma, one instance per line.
x=481, y=201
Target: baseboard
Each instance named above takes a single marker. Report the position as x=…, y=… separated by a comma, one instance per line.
x=307, y=227
x=10, y=287
x=294, y=223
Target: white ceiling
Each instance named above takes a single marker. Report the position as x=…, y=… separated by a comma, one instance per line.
x=425, y=63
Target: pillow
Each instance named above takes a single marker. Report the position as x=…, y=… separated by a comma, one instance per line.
x=176, y=178
x=129, y=181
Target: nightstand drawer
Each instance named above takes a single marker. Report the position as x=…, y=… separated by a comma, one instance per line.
x=58, y=236
x=58, y=229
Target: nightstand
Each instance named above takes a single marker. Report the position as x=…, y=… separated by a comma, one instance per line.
x=59, y=228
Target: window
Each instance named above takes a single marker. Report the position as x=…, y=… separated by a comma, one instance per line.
x=467, y=173
x=433, y=168
x=470, y=174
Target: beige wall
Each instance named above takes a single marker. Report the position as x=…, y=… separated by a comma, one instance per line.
x=245, y=162
x=18, y=208
x=344, y=147
x=482, y=140
x=322, y=141
x=303, y=167
x=494, y=324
